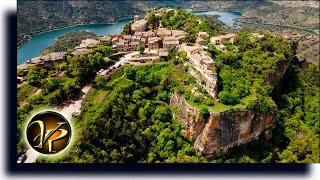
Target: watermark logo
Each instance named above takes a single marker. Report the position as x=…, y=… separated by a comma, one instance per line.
x=48, y=132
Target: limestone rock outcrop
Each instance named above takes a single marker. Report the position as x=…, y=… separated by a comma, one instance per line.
x=222, y=130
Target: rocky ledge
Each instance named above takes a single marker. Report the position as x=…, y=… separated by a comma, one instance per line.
x=221, y=131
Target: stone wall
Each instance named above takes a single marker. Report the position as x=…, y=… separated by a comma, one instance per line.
x=206, y=80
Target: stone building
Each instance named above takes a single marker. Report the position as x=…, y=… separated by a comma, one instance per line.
x=203, y=35
x=45, y=61
x=170, y=44
x=106, y=39
x=153, y=43
x=200, y=41
x=139, y=25
x=228, y=37
x=88, y=43
x=204, y=64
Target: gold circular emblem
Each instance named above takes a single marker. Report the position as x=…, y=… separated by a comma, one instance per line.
x=48, y=132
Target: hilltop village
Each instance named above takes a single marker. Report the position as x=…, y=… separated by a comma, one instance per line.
x=156, y=45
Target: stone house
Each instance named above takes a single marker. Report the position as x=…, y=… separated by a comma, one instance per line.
x=153, y=43
x=45, y=61
x=162, y=32
x=87, y=43
x=163, y=52
x=170, y=44
x=200, y=41
x=178, y=34
x=228, y=37
x=106, y=39
x=203, y=35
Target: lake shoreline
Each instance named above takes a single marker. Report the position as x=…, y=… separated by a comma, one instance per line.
x=285, y=26
x=81, y=24
x=203, y=11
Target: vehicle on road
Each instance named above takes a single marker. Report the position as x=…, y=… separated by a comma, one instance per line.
x=119, y=65
x=111, y=69
x=100, y=71
x=142, y=61
x=75, y=112
x=22, y=158
x=126, y=62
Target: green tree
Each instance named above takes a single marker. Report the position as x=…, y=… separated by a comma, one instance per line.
x=100, y=81
x=20, y=72
x=43, y=73
x=140, y=49
x=153, y=21
x=252, y=106
x=204, y=112
x=33, y=77
x=264, y=104
x=51, y=85
x=127, y=29
x=190, y=38
x=162, y=113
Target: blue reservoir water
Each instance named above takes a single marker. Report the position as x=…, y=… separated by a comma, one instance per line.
x=226, y=17
x=41, y=41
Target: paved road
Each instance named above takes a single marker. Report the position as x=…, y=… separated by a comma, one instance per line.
x=75, y=105
x=121, y=61
x=32, y=156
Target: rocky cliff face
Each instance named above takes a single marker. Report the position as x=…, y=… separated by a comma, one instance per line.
x=224, y=130
x=274, y=77
x=207, y=79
